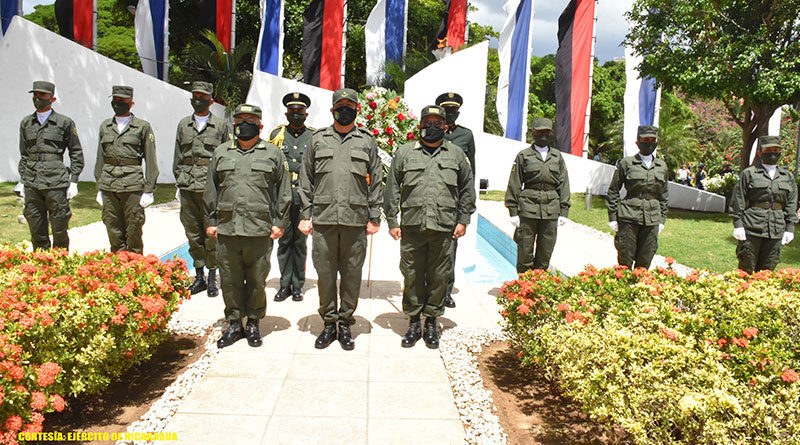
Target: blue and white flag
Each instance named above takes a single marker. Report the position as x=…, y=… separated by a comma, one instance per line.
x=8, y=9
x=514, y=50
x=385, y=37
x=151, y=25
x=269, y=55
x=642, y=101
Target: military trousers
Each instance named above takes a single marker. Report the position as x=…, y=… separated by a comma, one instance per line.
x=124, y=218
x=338, y=251
x=243, y=269
x=292, y=252
x=636, y=244
x=43, y=206
x=536, y=239
x=756, y=253
x=426, y=264
x=202, y=248
x=451, y=279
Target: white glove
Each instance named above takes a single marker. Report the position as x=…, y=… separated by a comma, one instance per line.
x=515, y=221
x=614, y=226
x=20, y=189
x=146, y=199
x=99, y=198
x=739, y=234
x=562, y=220
x=787, y=238
x=72, y=190
x=178, y=194
x=660, y=228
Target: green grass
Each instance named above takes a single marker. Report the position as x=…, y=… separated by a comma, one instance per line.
x=84, y=209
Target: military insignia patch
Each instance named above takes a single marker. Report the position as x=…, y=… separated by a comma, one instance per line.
x=296, y=95
x=286, y=165
x=152, y=137
x=513, y=166
x=450, y=95
x=74, y=131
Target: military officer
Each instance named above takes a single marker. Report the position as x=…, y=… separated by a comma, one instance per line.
x=431, y=182
x=538, y=198
x=293, y=140
x=764, y=209
x=48, y=184
x=124, y=190
x=247, y=202
x=340, y=180
x=461, y=137
x=197, y=137
x=640, y=216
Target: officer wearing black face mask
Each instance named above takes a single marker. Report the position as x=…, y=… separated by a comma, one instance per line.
x=293, y=140
x=197, y=137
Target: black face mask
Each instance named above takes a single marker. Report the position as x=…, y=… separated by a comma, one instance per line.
x=771, y=158
x=344, y=115
x=200, y=105
x=296, y=119
x=40, y=103
x=541, y=140
x=647, y=148
x=431, y=134
x=450, y=116
x=120, y=108
x=246, y=130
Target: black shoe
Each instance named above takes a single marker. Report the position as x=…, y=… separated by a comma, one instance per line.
x=448, y=301
x=297, y=294
x=326, y=337
x=283, y=293
x=213, y=289
x=431, y=335
x=232, y=334
x=252, y=334
x=346, y=338
x=198, y=285
x=413, y=334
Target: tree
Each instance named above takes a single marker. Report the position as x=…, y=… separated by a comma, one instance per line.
x=228, y=71
x=743, y=52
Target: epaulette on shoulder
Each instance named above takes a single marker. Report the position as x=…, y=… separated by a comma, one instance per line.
x=278, y=128
x=365, y=131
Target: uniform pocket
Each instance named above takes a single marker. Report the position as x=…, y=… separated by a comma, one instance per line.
x=225, y=169
x=323, y=160
x=261, y=172
x=359, y=162
x=449, y=172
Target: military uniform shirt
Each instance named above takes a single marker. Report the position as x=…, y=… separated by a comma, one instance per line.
x=647, y=192
x=293, y=146
x=49, y=140
x=199, y=145
x=756, y=187
x=136, y=142
x=462, y=137
x=528, y=173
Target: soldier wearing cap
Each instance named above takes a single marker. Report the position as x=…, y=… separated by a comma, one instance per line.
x=431, y=183
x=124, y=189
x=764, y=209
x=340, y=192
x=461, y=137
x=48, y=184
x=538, y=198
x=198, y=135
x=293, y=140
x=640, y=216
x=247, y=201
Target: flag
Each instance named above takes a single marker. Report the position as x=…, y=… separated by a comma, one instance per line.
x=151, y=37
x=642, y=101
x=514, y=50
x=224, y=23
x=269, y=55
x=385, y=37
x=322, y=52
x=452, y=31
x=77, y=21
x=8, y=9
x=574, y=62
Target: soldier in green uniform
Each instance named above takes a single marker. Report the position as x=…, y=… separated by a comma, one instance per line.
x=197, y=137
x=124, y=190
x=247, y=202
x=48, y=184
x=640, y=216
x=461, y=137
x=538, y=198
x=431, y=182
x=293, y=140
x=340, y=191
x=764, y=209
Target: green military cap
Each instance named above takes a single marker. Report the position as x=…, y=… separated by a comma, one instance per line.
x=647, y=131
x=247, y=109
x=770, y=141
x=43, y=86
x=122, y=91
x=202, y=87
x=297, y=100
x=345, y=93
x=449, y=100
x=432, y=110
x=542, y=124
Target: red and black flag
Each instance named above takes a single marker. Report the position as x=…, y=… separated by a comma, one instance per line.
x=573, y=74
x=452, y=31
x=75, y=20
x=322, y=51
x=217, y=15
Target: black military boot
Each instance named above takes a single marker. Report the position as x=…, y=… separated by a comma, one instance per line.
x=326, y=337
x=213, y=289
x=283, y=293
x=448, y=301
x=252, y=334
x=297, y=294
x=232, y=334
x=431, y=335
x=413, y=334
x=199, y=283
x=346, y=338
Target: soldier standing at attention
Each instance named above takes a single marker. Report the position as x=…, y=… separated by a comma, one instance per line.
x=247, y=201
x=197, y=137
x=123, y=189
x=340, y=182
x=460, y=137
x=640, y=216
x=44, y=136
x=538, y=198
x=293, y=140
x=764, y=209
x=431, y=183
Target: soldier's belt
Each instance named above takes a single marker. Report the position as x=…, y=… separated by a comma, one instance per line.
x=540, y=186
x=192, y=160
x=45, y=157
x=765, y=205
x=123, y=161
x=643, y=196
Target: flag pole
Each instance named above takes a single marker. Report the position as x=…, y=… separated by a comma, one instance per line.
x=233, y=24
x=591, y=78
x=166, y=41
x=94, y=27
x=344, y=42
